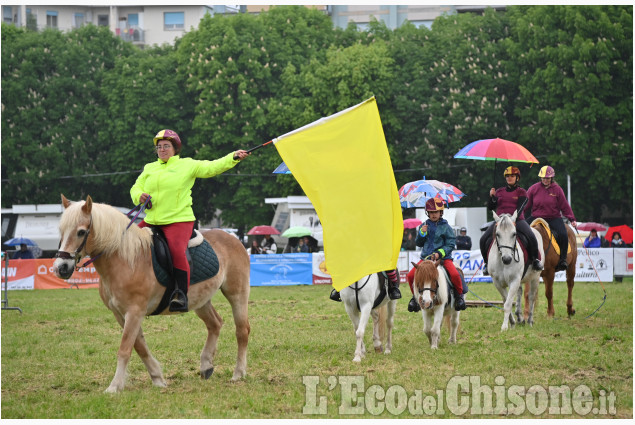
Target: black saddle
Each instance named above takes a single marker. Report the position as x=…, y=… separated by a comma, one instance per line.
x=202, y=259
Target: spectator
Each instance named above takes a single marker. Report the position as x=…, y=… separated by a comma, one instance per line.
x=463, y=241
x=593, y=240
x=617, y=242
x=268, y=245
x=254, y=248
x=23, y=254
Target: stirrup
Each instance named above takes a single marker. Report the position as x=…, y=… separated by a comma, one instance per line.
x=562, y=265
x=459, y=303
x=335, y=296
x=178, y=303
x=537, y=265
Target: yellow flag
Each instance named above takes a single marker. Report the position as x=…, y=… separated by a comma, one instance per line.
x=343, y=166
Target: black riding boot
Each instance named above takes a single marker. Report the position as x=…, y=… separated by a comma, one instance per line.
x=485, y=272
x=459, y=301
x=393, y=284
x=335, y=296
x=562, y=264
x=413, y=305
x=178, y=299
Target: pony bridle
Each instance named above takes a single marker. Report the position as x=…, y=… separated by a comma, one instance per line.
x=77, y=255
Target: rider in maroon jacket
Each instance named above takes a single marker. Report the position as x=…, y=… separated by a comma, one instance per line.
x=507, y=200
x=547, y=201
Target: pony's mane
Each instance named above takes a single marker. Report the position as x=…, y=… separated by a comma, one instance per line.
x=428, y=272
x=506, y=221
x=109, y=231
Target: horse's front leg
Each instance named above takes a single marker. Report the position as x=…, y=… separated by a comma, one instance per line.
x=570, y=283
x=435, y=332
x=508, y=319
x=390, y=323
x=131, y=330
x=360, y=350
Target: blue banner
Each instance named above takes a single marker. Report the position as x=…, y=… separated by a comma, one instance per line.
x=281, y=269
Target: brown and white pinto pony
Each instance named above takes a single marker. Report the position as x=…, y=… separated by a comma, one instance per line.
x=430, y=289
x=130, y=290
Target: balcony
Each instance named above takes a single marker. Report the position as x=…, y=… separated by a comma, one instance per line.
x=133, y=34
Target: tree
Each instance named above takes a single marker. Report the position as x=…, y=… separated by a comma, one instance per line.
x=575, y=99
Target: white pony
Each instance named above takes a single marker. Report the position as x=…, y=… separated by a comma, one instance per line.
x=506, y=265
x=430, y=288
x=362, y=299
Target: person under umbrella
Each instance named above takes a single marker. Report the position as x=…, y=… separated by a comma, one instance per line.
x=24, y=253
x=593, y=240
x=546, y=200
x=436, y=237
x=506, y=200
x=617, y=242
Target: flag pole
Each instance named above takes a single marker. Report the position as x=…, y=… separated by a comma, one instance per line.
x=259, y=146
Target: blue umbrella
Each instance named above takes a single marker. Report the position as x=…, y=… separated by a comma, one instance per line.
x=20, y=241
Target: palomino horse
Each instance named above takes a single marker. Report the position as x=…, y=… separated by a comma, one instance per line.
x=128, y=286
x=550, y=261
x=436, y=300
x=507, y=265
x=359, y=301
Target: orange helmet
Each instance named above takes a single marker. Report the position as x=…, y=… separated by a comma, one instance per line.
x=512, y=171
x=434, y=204
x=171, y=136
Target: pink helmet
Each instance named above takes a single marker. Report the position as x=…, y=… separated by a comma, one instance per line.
x=171, y=136
x=546, y=172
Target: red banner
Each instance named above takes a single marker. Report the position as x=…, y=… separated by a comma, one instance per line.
x=38, y=274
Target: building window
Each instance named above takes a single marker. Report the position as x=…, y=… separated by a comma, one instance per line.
x=102, y=20
x=51, y=19
x=78, y=20
x=133, y=20
x=7, y=14
x=173, y=21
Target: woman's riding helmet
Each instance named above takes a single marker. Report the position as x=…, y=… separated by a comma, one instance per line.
x=546, y=172
x=171, y=136
x=512, y=171
x=434, y=204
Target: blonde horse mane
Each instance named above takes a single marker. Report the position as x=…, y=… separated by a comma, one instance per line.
x=109, y=234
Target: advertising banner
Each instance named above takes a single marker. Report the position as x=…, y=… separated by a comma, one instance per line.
x=38, y=274
x=592, y=264
x=320, y=274
x=281, y=269
x=623, y=261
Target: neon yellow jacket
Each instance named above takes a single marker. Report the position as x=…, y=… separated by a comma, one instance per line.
x=170, y=186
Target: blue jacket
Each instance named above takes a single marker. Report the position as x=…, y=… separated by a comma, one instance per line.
x=595, y=243
x=439, y=238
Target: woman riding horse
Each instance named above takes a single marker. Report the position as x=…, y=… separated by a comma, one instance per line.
x=168, y=181
x=546, y=200
x=437, y=238
x=506, y=200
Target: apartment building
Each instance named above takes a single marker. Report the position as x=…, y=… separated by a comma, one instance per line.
x=156, y=25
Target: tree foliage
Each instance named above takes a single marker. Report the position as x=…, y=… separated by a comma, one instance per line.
x=79, y=109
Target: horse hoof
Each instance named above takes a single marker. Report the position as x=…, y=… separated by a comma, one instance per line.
x=357, y=359
x=207, y=373
x=111, y=390
x=379, y=350
x=387, y=351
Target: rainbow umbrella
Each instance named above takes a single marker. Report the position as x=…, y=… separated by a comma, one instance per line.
x=495, y=149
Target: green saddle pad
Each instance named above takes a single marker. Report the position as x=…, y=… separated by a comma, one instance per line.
x=204, y=265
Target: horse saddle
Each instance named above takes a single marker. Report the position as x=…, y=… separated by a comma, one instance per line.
x=554, y=244
x=200, y=254
x=383, y=281
x=451, y=286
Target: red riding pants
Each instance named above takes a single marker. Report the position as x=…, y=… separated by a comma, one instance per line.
x=448, y=264
x=177, y=235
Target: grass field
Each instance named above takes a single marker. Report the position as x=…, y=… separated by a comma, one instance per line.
x=60, y=355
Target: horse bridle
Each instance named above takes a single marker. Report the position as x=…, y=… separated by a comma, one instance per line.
x=515, y=253
x=76, y=256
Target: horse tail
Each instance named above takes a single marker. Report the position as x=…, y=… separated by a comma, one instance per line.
x=383, y=316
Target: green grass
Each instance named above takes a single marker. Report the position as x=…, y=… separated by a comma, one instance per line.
x=60, y=355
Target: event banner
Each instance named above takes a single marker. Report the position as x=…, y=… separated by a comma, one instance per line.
x=38, y=274
x=281, y=269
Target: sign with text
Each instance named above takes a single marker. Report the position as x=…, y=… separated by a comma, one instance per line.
x=281, y=269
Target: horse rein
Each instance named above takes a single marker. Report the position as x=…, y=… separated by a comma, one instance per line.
x=357, y=289
x=516, y=255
